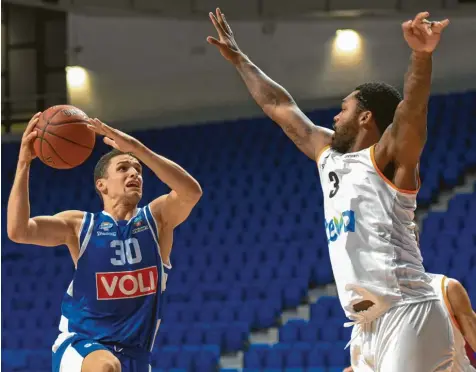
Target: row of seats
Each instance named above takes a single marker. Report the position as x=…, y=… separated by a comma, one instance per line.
x=297, y=355
x=202, y=358
x=228, y=337
x=255, y=313
x=309, y=332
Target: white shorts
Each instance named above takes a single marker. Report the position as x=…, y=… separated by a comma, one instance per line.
x=410, y=338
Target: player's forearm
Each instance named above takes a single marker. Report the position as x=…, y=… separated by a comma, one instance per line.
x=469, y=328
x=416, y=91
x=18, y=210
x=267, y=93
x=172, y=174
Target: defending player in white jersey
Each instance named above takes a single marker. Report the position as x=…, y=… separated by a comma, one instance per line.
x=463, y=319
x=369, y=174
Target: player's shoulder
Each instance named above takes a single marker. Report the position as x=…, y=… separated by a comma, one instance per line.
x=455, y=287
x=71, y=215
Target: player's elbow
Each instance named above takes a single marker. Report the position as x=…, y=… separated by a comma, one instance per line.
x=196, y=192
x=16, y=234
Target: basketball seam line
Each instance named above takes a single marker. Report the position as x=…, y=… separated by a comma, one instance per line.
x=52, y=148
x=47, y=122
x=68, y=140
x=69, y=122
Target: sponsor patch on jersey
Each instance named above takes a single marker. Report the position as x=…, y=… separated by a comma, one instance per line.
x=340, y=224
x=108, y=233
x=140, y=229
x=105, y=225
x=126, y=284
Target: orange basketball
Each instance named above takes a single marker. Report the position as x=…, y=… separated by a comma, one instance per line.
x=64, y=141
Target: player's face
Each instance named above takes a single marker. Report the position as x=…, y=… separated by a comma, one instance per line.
x=124, y=178
x=346, y=124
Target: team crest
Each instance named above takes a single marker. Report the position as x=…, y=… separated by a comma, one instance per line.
x=138, y=222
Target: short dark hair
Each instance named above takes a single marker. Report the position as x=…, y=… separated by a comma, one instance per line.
x=103, y=163
x=381, y=99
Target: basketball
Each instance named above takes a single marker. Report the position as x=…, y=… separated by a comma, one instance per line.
x=64, y=140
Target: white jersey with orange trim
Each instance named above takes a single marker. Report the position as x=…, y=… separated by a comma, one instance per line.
x=461, y=362
x=370, y=233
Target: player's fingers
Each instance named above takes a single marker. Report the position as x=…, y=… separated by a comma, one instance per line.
x=221, y=20
x=227, y=26
x=440, y=26
x=110, y=142
x=218, y=27
x=32, y=122
x=96, y=129
x=407, y=25
x=31, y=136
x=213, y=41
x=421, y=16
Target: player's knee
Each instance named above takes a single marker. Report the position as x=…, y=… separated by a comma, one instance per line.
x=110, y=365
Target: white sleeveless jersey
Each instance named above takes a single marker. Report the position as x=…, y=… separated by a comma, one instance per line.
x=461, y=361
x=370, y=233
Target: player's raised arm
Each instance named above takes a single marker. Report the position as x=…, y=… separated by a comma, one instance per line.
x=403, y=141
x=43, y=230
x=273, y=99
x=463, y=311
x=171, y=209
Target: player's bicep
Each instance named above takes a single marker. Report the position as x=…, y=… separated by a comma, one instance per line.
x=50, y=231
x=172, y=209
x=307, y=136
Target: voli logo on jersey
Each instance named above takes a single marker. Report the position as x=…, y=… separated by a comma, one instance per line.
x=126, y=284
x=337, y=225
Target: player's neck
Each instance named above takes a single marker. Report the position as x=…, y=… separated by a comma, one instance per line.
x=119, y=211
x=363, y=141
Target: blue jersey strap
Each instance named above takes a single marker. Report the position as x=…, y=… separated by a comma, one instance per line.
x=85, y=231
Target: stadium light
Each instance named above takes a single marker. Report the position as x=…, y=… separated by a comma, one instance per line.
x=347, y=41
x=75, y=76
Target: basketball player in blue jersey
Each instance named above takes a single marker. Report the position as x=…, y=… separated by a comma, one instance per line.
x=368, y=169
x=112, y=309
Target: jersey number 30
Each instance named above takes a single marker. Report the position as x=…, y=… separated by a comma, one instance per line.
x=128, y=251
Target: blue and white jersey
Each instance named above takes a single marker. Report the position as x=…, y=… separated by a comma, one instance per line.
x=116, y=295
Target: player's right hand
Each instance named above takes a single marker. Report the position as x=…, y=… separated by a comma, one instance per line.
x=27, y=152
x=226, y=42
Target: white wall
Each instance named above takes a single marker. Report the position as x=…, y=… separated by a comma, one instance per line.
x=144, y=68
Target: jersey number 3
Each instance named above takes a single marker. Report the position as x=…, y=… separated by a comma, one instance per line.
x=128, y=251
x=333, y=178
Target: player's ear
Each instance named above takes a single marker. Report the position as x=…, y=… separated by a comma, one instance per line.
x=365, y=118
x=101, y=185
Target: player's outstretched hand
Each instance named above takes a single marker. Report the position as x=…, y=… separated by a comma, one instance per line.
x=114, y=137
x=226, y=40
x=348, y=369
x=27, y=152
x=423, y=35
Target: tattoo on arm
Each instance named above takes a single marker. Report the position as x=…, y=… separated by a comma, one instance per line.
x=266, y=92
x=298, y=138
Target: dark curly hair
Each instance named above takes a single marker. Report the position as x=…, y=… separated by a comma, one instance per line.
x=381, y=99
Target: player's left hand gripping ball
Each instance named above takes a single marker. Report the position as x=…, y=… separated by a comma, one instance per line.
x=423, y=35
x=114, y=137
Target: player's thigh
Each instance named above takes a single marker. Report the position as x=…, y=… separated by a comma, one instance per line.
x=416, y=338
x=101, y=361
